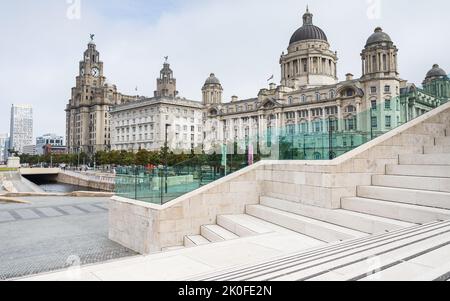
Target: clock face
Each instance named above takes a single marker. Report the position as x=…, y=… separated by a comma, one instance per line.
x=95, y=72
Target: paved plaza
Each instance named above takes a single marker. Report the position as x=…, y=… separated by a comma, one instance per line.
x=52, y=233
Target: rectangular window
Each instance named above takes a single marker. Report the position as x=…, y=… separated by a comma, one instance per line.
x=387, y=89
x=374, y=122
x=373, y=89
x=387, y=104
x=388, y=121
x=374, y=104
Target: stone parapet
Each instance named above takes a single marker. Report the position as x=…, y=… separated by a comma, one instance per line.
x=104, y=183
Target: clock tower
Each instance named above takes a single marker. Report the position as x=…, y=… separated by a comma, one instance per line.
x=87, y=114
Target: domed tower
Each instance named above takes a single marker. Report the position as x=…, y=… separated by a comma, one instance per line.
x=309, y=61
x=437, y=83
x=212, y=91
x=379, y=56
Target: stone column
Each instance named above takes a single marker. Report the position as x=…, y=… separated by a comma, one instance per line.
x=310, y=129
x=340, y=117
x=324, y=120
x=358, y=116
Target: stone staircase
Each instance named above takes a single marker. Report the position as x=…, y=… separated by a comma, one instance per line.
x=414, y=253
x=416, y=191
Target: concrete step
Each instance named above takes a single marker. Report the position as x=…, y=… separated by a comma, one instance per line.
x=437, y=149
x=417, y=266
x=311, y=227
x=425, y=198
x=215, y=233
x=429, y=159
x=346, y=260
x=403, y=212
x=443, y=141
x=195, y=240
x=173, y=248
x=388, y=258
x=410, y=182
x=438, y=171
x=348, y=219
x=435, y=274
x=245, y=225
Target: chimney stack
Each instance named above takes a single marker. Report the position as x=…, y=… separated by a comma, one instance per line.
x=348, y=77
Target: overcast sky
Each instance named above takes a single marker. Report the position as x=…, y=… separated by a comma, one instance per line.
x=239, y=40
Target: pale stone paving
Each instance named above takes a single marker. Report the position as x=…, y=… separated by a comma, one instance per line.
x=51, y=233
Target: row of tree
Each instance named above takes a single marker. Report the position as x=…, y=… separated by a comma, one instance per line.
x=124, y=158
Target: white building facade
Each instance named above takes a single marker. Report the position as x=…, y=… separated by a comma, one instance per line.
x=48, y=139
x=4, y=145
x=21, y=128
x=149, y=122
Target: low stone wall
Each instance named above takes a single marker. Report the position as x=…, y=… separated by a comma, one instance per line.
x=147, y=228
x=92, y=181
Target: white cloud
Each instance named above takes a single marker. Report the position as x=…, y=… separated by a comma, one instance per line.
x=239, y=40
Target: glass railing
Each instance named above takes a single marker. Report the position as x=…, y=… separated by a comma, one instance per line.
x=316, y=135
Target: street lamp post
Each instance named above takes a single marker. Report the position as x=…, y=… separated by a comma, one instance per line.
x=330, y=138
x=371, y=123
x=166, y=156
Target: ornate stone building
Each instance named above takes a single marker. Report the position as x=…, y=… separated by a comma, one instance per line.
x=148, y=122
x=87, y=114
x=311, y=100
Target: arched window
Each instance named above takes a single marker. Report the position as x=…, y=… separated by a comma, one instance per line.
x=332, y=94
x=350, y=124
x=303, y=98
x=318, y=96
x=290, y=100
x=317, y=156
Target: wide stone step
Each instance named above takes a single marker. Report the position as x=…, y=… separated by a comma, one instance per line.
x=443, y=141
x=426, y=198
x=429, y=159
x=438, y=171
x=380, y=261
x=215, y=233
x=403, y=212
x=245, y=225
x=435, y=252
x=173, y=248
x=437, y=149
x=410, y=182
x=348, y=219
x=437, y=273
x=347, y=260
x=311, y=227
x=195, y=240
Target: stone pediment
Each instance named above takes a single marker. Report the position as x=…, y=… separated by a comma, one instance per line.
x=269, y=104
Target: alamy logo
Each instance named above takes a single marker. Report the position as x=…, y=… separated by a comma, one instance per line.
x=73, y=9
x=74, y=267
x=374, y=9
